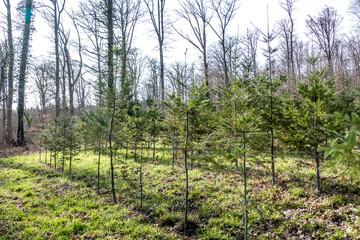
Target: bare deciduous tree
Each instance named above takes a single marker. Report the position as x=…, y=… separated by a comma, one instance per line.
x=73, y=67
x=3, y=82
x=52, y=14
x=325, y=27
x=353, y=51
x=137, y=64
x=156, y=9
x=250, y=47
x=152, y=86
x=93, y=25
x=195, y=13
x=287, y=33
x=128, y=14
x=225, y=12
x=354, y=9
x=43, y=72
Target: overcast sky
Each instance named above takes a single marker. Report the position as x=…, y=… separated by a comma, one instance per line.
x=250, y=11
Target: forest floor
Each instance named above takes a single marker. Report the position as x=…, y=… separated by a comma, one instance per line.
x=38, y=202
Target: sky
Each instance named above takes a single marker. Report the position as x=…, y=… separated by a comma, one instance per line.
x=250, y=12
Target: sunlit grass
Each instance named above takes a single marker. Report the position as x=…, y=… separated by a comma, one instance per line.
x=37, y=202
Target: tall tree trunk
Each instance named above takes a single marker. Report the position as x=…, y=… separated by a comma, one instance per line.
x=268, y=38
x=57, y=59
x=162, y=76
x=123, y=53
x=9, y=102
x=206, y=68
x=3, y=77
x=24, y=56
x=110, y=60
x=226, y=69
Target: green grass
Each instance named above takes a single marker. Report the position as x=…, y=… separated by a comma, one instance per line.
x=38, y=202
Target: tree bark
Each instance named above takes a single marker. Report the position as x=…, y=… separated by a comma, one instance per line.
x=9, y=102
x=110, y=60
x=23, y=63
x=57, y=59
x=4, y=95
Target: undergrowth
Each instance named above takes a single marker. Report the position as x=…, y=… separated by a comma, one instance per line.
x=38, y=202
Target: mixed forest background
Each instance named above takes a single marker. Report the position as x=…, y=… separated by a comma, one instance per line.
x=249, y=99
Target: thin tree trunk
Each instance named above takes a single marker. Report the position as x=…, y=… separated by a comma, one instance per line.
x=236, y=133
x=23, y=63
x=245, y=188
x=317, y=159
x=206, y=70
x=226, y=70
x=126, y=153
x=70, y=151
x=57, y=60
x=272, y=156
x=153, y=149
x=162, y=76
x=123, y=53
x=186, y=174
x=271, y=101
x=63, y=153
x=63, y=161
x=98, y=173
x=173, y=150
x=141, y=180
x=70, y=160
x=4, y=102
x=272, y=136
x=111, y=152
